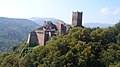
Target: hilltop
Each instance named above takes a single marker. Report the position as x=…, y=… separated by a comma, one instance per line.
x=58, y=45
x=85, y=47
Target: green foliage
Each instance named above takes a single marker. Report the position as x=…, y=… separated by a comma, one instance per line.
x=111, y=56
x=81, y=47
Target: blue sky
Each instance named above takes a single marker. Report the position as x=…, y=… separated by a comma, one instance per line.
x=94, y=11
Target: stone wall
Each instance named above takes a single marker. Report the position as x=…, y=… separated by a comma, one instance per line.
x=44, y=33
x=32, y=39
x=77, y=19
x=39, y=37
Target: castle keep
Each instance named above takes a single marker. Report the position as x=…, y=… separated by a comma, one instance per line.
x=77, y=19
x=44, y=33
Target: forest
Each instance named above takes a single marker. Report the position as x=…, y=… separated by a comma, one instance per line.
x=81, y=47
x=13, y=32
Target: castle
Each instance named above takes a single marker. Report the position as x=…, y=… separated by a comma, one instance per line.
x=44, y=33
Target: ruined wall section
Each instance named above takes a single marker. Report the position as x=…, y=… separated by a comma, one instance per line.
x=62, y=29
x=32, y=39
x=40, y=37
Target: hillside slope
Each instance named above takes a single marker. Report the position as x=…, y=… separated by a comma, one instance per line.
x=14, y=32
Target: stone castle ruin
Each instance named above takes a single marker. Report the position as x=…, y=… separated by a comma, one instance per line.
x=77, y=19
x=44, y=33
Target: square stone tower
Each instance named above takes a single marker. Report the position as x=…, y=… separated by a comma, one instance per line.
x=77, y=19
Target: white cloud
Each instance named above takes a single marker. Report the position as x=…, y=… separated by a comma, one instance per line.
x=110, y=11
x=116, y=11
x=105, y=10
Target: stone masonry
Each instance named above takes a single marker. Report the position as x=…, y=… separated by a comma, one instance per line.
x=44, y=33
x=77, y=19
